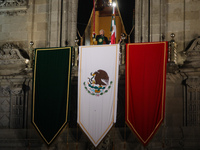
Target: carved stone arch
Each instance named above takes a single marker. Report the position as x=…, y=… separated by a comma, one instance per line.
x=11, y=59
x=191, y=70
x=194, y=45
x=12, y=7
x=193, y=54
x=13, y=79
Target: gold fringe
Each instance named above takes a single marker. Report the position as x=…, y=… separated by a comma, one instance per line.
x=81, y=41
x=129, y=39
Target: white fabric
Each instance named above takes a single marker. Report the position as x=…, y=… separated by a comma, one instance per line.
x=113, y=32
x=97, y=113
x=114, y=28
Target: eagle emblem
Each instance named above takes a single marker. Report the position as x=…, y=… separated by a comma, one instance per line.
x=98, y=83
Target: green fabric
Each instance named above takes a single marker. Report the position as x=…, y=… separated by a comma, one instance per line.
x=100, y=40
x=51, y=89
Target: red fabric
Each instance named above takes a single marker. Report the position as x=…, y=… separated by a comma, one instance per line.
x=113, y=38
x=145, y=87
x=113, y=28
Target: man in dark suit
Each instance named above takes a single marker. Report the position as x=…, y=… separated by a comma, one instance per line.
x=101, y=39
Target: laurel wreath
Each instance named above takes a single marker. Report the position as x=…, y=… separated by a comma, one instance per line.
x=94, y=87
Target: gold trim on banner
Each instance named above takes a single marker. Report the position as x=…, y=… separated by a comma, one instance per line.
x=163, y=92
x=112, y=123
x=62, y=127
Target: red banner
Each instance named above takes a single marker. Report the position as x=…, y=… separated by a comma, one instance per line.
x=145, y=87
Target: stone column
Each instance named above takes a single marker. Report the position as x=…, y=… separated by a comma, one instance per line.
x=54, y=23
x=149, y=20
x=71, y=21
x=62, y=22
x=138, y=20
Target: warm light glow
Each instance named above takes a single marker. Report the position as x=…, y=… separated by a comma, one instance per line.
x=114, y=4
x=26, y=61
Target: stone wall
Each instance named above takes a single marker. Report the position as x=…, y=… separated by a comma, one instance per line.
x=150, y=20
x=183, y=18
x=13, y=27
x=40, y=22
x=166, y=17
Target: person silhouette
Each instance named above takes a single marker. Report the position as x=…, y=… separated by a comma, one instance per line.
x=101, y=39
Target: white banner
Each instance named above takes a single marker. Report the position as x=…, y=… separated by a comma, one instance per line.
x=97, y=89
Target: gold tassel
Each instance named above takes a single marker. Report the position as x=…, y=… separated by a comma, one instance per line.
x=129, y=39
x=81, y=41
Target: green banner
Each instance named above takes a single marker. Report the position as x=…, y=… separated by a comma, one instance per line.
x=51, y=91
